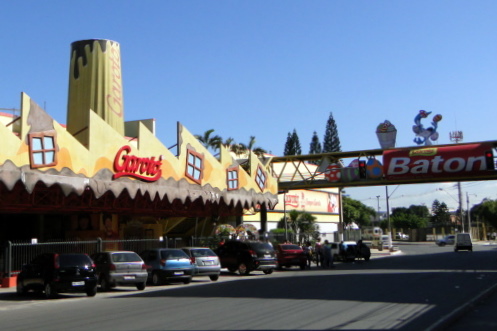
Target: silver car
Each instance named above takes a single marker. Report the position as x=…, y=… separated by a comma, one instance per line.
x=447, y=240
x=205, y=262
x=123, y=268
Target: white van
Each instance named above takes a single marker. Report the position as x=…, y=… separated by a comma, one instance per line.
x=463, y=242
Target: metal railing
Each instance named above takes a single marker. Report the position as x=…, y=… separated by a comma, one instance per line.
x=16, y=254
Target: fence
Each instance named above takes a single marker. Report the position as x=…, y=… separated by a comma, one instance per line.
x=16, y=254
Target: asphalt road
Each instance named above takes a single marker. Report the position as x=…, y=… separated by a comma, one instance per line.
x=421, y=289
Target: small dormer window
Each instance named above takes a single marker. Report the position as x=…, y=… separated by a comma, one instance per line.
x=261, y=178
x=42, y=149
x=232, y=178
x=194, y=166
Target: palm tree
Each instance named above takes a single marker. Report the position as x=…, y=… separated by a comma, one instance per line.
x=257, y=150
x=208, y=141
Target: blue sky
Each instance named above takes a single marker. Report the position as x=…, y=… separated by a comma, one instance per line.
x=265, y=68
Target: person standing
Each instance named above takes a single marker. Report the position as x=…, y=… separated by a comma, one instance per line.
x=318, y=251
x=308, y=253
x=328, y=255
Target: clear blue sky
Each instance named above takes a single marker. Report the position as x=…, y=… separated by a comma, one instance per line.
x=265, y=68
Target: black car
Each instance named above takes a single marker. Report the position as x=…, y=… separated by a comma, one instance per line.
x=52, y=273
x=246, y=256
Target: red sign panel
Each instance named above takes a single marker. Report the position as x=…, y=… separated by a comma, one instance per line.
x=436, y=162
x=144, y=168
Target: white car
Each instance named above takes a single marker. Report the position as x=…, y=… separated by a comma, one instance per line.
x=401, y=236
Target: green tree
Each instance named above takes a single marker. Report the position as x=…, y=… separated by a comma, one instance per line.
x=301, y=223
x=331, y=142
x=486, y=212
x=356, y=212
x=292, y=145
x=413, y=217
x=315, y=147
x=208, y=140
x=440, y=213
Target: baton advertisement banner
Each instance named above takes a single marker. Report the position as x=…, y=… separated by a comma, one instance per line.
x=436, y=162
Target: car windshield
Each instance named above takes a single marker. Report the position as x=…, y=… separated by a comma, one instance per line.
x=126, y=257
x=201, y=252
x=173, y=254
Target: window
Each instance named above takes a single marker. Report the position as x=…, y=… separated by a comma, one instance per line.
x=260, y=178
x=194, y=166
x=43, y=151
x=232, y=178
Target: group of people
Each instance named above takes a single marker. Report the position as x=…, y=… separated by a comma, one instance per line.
x=321, y=254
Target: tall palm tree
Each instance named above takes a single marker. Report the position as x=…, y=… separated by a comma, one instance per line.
x=209, y=141
x=259, y=151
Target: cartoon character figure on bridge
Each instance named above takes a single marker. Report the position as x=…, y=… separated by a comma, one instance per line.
x=425, y=136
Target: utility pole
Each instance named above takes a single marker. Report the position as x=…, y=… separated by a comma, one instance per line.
x=457, y=136
x=378, y=217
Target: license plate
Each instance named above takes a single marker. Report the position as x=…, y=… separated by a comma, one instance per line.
x=208, y=263
x=267, y=255
x=129, y=277
x=78, y=283
x=177, y=273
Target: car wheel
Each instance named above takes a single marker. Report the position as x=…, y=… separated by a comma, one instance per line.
x=91, y=291
x=49, y=291
x=156, y=280
x=243, y=270
x=303, y=266
x=104, y=284
x=268, y=271
x=366, y=258
x=187, y=281
x=214, y=277
x=20, y=289
x=141, y=286
x=442, y=244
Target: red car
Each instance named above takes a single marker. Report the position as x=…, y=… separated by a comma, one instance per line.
x=289, y=255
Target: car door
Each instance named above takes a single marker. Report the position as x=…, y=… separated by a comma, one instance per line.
x=36, y=271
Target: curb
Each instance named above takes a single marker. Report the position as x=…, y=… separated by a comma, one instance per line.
x=449, y=319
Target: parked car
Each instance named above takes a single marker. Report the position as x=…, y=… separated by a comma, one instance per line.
x=447, y=240
x=463, y=242
x=167, y=265
x=53, y=273
x=247, y=256
x=289, y=255
x=345, y=252
x=205, y=262
x=401, y=236
x=120, y=268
